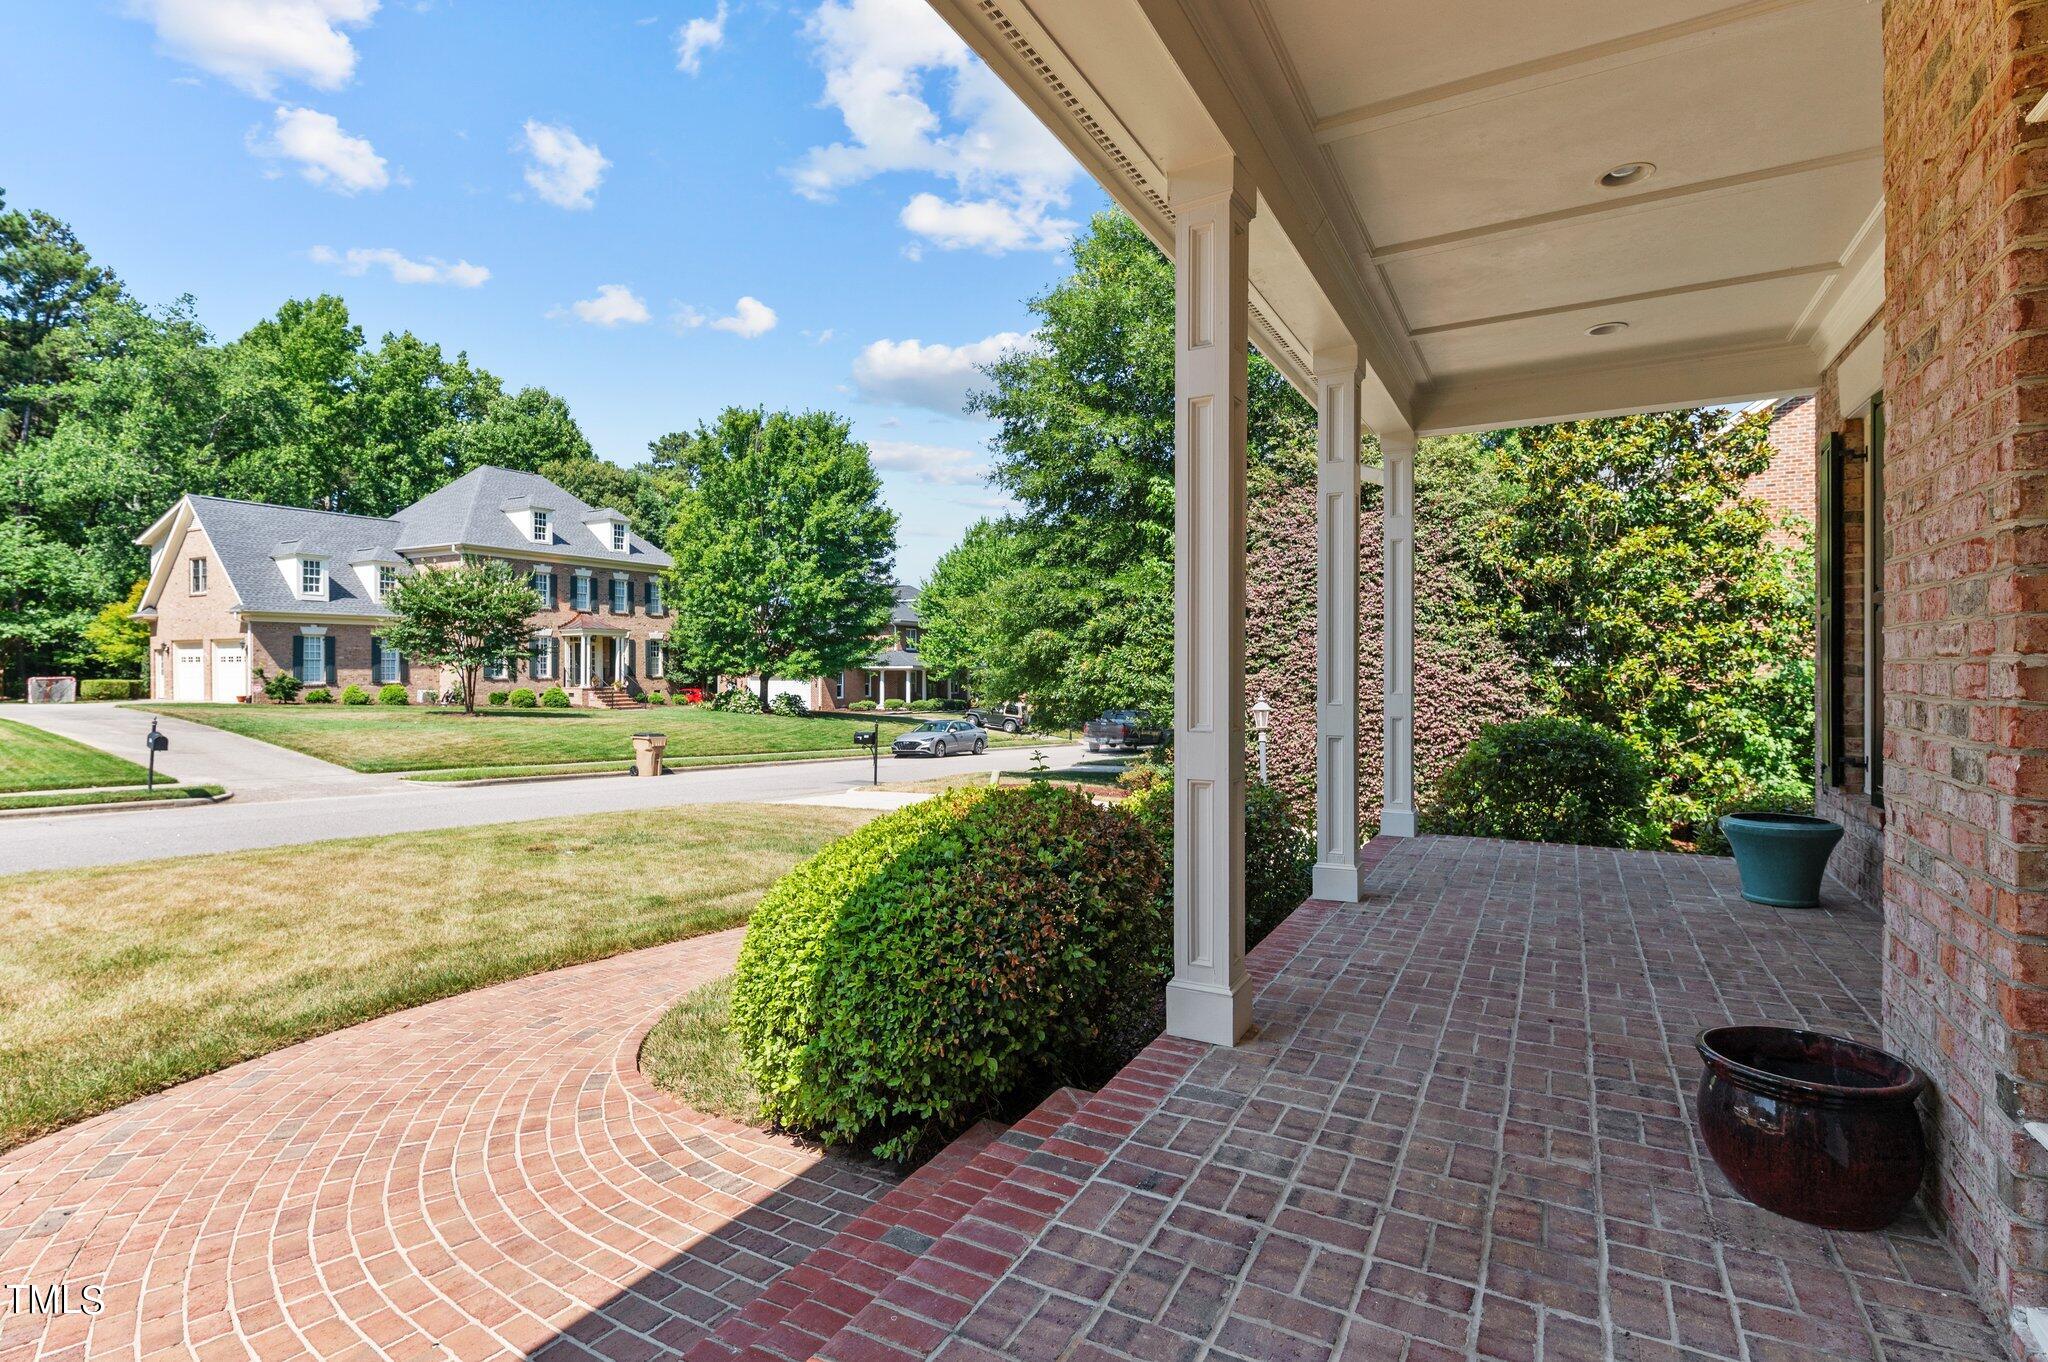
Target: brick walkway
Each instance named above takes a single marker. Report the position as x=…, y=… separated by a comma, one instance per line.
x=473, y=1178
x=1462, y=1130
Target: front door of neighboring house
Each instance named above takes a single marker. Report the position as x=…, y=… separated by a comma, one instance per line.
x=230, y=670
x=188, y=671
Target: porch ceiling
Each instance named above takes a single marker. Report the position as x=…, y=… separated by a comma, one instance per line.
x=1428, y=181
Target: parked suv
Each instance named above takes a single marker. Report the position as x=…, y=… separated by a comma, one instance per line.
x=1010, y=717
x=1120, y=729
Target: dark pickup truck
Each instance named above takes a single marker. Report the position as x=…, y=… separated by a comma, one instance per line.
x=1120, y=729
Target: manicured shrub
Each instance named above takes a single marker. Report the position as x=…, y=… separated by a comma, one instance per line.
x=862, y=706
x=736, y=700
x=352, y=694
x=926, y=706
x=554, y=697
x=955, y=706
x=499, y=697
x=929, y=967
x=893, y=704
x=657, y=697
x=110, y=689
x=281, y=687
x=789, y=706
x=1545, y=779
x=319, y=695
x=520, y=698
x=1279, y=854
x=393, y=694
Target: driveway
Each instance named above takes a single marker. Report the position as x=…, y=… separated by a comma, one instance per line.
x=383, y=804
x=256, y=771
x=480, y=1177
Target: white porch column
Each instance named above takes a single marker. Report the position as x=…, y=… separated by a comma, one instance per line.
x=1209, y=998
x=1397, y=519
x=1337, y=434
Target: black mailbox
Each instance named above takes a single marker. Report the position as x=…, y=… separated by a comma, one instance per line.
x=159, y=742
x=863, y=739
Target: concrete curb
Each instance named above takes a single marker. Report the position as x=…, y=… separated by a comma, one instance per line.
x=118, y=806
x=607, y=775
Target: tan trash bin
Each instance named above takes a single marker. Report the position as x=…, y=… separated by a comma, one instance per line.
x=647, y=750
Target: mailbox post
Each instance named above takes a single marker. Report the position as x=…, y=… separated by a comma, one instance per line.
x=872, y=740
x=156, y=742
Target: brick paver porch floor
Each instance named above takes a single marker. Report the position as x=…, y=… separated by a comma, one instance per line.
x=473, y=1178
x=1461, y=1130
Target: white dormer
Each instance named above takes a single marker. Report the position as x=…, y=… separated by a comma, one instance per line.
x=378, y=570
x=532, y=517
x=610, y=528
x=304, y=569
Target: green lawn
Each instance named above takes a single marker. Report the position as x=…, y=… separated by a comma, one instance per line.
x=126, y=979
x=31, y=759
x=380, y=738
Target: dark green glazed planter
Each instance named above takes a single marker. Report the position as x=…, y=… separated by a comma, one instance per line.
x=1781, y=856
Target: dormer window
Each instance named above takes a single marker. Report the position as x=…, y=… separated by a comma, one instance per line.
x=312, y=578
x=542, y=530
x=618, y=537
x=387, y=581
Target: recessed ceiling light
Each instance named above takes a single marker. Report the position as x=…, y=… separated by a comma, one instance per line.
x=1628, y=172
x=1607, y=329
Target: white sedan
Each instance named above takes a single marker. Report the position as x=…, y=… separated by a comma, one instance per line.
x=940, y=737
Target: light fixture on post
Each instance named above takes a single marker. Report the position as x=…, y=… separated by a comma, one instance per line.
x=1262, y=714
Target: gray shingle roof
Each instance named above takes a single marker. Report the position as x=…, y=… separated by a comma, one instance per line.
x=244, y=535
x=895, y=657
x=471, y=510
x=905, y=610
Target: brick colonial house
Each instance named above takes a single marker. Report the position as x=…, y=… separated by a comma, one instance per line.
x=238, y=590
x=895, y=672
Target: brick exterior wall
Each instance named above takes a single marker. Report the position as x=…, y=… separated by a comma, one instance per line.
x=207, y=619
x=1966, y=678
x=1787, y=486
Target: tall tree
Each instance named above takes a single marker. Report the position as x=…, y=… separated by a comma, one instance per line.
x=958, y=610
x=782, y=548
x=1647, y=595
x=47, y=280
x=463, y=618
x=1084, y=440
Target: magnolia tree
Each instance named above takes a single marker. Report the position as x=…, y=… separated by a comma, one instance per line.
x=463, y=618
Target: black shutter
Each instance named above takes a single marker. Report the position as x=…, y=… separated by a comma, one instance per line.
x=333, y=647
x=1828, y=600
x=299, y=656
x=376, y=659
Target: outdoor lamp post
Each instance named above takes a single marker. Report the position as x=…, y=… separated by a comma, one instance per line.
x=1262, y=714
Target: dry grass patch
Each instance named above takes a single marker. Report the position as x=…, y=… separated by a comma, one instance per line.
x=123, y=980
x=692, y=1055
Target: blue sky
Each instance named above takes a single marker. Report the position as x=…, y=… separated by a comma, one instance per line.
x=653, y=209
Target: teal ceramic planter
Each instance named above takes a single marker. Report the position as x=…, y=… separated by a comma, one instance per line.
x=1781, y=856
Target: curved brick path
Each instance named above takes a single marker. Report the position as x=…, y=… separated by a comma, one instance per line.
x=485, y=1176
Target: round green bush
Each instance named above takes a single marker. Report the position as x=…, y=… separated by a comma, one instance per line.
x=736, y=700
x=862, y=706
x=500, y=697
x=353, y=694
x=554, y=697
x=893, y=704
x=657, y=697
x=789, y=706
x=319, y=695
x=393, y=694
x=1279, y=857
x=521, y=698
x=1546, y=779
x=926, y=706
x=919, y=972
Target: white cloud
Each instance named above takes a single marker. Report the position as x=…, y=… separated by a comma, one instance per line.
x=403, y=269
x=614, y=305
x=255, y=44
x=696, y=38
x=936, y=377
x=326, y=155
x=750, y=317
x=1009, y=175
x=940, y=464
x=565, y=169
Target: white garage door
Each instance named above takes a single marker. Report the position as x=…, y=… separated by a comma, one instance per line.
x=188, y=673
x=230, y=671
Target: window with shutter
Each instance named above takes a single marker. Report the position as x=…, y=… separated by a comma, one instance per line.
x=622, y=596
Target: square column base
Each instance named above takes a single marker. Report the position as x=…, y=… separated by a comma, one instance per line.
x=1397, y=822
x=1215, y=1016
x=1338, y=882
